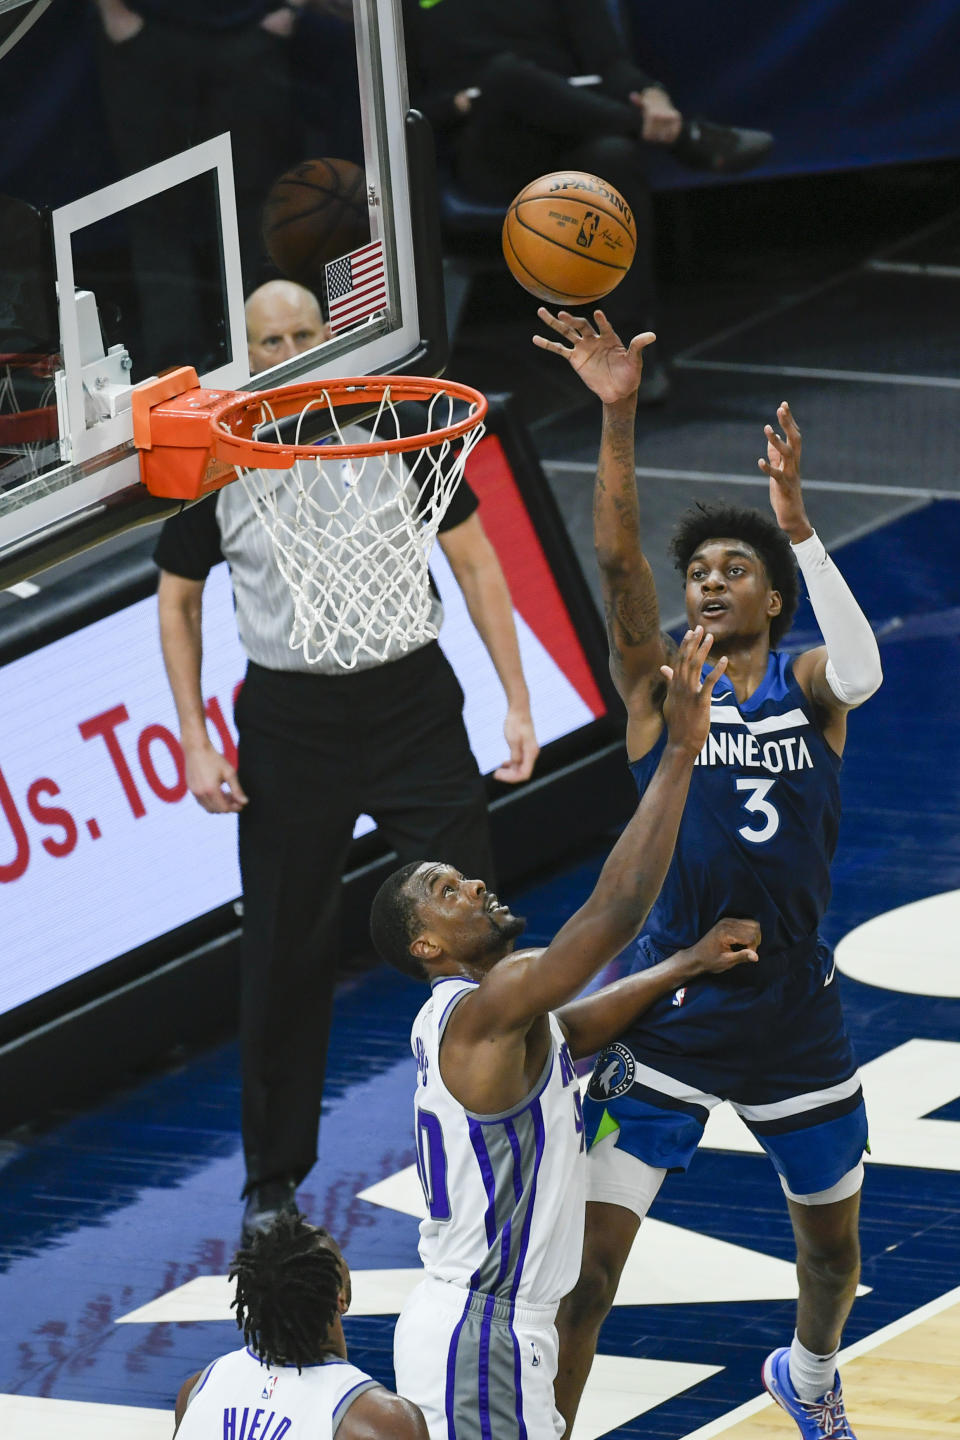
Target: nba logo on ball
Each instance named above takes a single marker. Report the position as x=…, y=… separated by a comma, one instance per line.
x=591, y=223
x=569, y=238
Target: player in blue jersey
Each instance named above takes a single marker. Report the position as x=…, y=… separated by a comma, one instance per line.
x=757, y=838
x=499, y=1125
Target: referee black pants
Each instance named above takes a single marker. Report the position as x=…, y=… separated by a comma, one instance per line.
x=316, y=751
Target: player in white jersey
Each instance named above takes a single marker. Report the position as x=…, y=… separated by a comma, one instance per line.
x=292, y=1381
x=499, y=1127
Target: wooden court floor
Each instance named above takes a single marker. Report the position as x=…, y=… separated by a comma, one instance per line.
x=901, y=1384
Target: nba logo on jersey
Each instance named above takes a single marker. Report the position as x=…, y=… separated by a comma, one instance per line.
x=423, y=1063
x=680, y=996
x=536, y=1358
x=269, y=1386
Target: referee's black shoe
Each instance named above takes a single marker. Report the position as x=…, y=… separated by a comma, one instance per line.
x=724, y=149
x=264, y=1203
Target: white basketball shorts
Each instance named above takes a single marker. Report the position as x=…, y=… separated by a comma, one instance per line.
x=480, y=1368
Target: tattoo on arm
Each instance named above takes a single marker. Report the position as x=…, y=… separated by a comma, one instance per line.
x=632, y=614
x=630, y=597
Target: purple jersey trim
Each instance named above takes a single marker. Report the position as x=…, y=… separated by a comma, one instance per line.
x=344, y=1403
x=511, y=1132
x=518, y=1386
x=483, y=1388
x=489, y=1183
x=452, y=1373
x=540, y=1133
x=206, y=1376
x=452, y=1004
x=531, y=1099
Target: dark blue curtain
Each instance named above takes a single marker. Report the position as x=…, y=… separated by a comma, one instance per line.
x=842, y=83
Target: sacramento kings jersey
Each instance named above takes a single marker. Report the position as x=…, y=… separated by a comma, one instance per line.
x=759, y=828
x=240, y=1398
x=504, y=1193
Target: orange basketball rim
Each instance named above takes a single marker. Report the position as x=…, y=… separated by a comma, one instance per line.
x=192, y=440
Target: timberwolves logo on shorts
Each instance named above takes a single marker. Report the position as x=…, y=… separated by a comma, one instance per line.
x=613, y=1073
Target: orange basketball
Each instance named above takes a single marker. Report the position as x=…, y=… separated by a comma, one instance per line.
x=569, y=238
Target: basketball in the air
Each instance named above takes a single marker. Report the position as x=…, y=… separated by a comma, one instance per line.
x=569, y=238
x=313, y=214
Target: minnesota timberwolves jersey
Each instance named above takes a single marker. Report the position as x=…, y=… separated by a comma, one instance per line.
x=238, y=1398
x=759, y=828
x=504, y=1193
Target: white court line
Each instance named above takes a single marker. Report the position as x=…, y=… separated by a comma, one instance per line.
x=914, y=267
x=868, y=527
x=933, y=228
x=852, y=1352
x=36, y=1417
x=24, y=589
x=790, y=302
x=721, y=477
x=758, y=316
x=810, y=372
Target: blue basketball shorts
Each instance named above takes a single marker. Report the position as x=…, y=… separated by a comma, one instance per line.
x=777, y=1051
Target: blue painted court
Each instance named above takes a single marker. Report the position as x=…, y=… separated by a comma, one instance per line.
x=105, y=1212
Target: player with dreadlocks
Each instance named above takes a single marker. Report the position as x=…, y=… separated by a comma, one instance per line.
x=757, y=838
x=292, y=1379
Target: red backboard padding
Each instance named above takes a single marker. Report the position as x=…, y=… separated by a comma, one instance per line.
x=535, y=593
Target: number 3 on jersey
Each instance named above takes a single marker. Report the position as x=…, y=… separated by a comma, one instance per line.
x=758, y=804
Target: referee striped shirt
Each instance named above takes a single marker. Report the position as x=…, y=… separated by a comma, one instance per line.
x=225, y=527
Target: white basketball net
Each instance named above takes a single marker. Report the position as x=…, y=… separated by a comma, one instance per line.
x=352, y=537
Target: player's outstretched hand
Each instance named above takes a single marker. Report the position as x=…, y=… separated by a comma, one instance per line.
x=605, y=365
x=729, y=943
x=686, y=708
x=212, y=781
x=782, y=465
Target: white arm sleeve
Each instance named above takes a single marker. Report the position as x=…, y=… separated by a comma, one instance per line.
x=853, y=657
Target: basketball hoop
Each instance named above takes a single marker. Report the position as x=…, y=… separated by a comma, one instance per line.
x=351, y=520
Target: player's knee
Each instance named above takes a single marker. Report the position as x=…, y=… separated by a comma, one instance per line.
x=833, y=1264
x=502, y=74
x=591, y=1298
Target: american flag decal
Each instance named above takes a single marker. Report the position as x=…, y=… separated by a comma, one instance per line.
x=356, y=286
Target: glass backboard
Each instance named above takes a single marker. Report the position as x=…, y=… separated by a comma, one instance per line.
x=229, y=172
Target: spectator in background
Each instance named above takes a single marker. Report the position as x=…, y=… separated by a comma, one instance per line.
x=283, y=319
x=518, y=88
x=177, y=72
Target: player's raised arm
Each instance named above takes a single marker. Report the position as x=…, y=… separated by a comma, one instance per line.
x=523, y=987
x=598, y=1019
x=613, y=372
x=846, y=670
